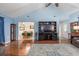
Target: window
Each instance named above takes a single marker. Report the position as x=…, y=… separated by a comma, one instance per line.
x=65, y=28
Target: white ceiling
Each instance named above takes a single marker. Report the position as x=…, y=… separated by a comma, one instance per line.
x=18, y=9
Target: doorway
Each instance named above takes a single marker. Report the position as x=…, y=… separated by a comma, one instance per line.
x=12, y=32
x=26, y=30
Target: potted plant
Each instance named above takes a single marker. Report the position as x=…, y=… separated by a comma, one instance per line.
x=29, y=34
x=24, y=34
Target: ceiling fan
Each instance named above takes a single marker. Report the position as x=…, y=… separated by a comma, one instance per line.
x=48, y=4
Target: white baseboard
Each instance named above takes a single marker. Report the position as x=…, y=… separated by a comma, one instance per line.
x=2, y=43
x=6, y=43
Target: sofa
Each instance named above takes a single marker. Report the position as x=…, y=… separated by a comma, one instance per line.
x=75, y=41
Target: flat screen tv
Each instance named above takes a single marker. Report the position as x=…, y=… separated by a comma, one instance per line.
x=47, y=28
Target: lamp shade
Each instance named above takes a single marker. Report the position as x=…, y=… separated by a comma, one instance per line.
x=76, y=27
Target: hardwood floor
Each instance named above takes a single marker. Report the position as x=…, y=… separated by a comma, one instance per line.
x=65, y=41
x=17, y=48
x=46, y=42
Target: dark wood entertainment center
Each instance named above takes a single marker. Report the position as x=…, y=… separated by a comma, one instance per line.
x=47, y=30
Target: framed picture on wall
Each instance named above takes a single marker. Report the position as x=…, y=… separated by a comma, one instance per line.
x=22, y=27
x=31, y=26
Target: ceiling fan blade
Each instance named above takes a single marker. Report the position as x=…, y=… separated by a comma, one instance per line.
x=56, y=4
x=48, y=4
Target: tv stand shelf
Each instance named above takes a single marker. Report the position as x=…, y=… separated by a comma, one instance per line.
x=46, y=32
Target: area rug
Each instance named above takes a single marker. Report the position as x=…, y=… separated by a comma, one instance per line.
x=53, y=50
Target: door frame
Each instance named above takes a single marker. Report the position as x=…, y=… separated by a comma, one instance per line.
x=27, y=22
x=11, y=32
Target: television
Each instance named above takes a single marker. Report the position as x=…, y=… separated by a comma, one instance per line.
x=47, y=28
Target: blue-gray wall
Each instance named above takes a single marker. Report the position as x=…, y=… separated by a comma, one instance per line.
x=7, y=22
